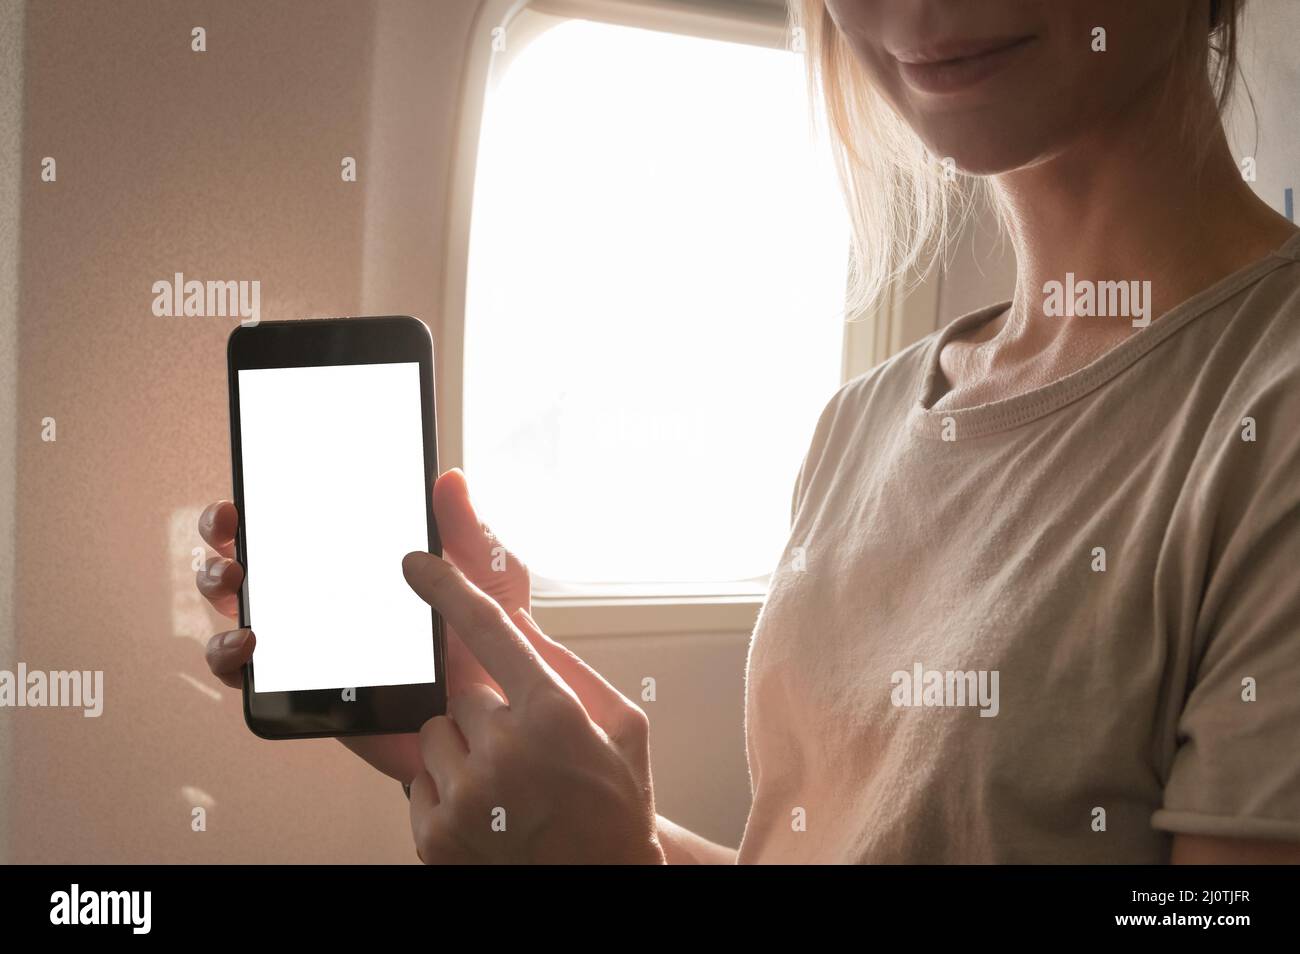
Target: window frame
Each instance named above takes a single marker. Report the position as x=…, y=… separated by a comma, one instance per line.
x=578, y=609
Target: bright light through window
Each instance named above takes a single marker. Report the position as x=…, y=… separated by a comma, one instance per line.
x=656, y=282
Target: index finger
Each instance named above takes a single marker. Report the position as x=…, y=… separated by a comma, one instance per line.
x=217, y=526
x=479, y=621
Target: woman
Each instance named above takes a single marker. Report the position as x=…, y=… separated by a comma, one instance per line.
x=1036, y=604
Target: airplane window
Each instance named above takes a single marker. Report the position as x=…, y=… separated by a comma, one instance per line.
x=658, y=260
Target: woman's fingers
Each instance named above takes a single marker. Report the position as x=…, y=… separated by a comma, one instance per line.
x=481, y=624
x=443, y=751
x=218, y=524
x=219, y=582
x=466, y=540
x=472, y=709
x=472, y=547
x=435, y=841
x=221, y=576
x=228, y=653
x=424, y=804
x=617, y=715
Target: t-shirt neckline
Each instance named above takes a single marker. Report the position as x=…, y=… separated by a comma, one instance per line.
x=1005, y=414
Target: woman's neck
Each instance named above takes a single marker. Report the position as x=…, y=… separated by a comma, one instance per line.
x=1141, y=203
x=1147, y=200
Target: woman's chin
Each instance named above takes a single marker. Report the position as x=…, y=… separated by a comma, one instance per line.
x=987, y=154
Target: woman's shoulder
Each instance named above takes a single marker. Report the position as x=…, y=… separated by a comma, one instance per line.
x=879, y=395
x=1254, y=346
x=876, y=401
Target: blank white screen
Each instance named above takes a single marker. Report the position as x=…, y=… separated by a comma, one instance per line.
x=334, y=497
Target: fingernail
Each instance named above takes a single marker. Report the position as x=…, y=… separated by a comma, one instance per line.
x=217, y=570
x=234, y=639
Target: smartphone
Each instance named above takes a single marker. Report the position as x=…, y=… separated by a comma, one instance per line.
x=334, y=453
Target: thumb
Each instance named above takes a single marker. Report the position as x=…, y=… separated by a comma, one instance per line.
x=614, y=712
x=466, y=540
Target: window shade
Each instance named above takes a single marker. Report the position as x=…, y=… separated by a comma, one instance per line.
x=761, y=22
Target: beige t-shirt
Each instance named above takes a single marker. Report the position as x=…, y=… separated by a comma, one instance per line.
x=1060, y=636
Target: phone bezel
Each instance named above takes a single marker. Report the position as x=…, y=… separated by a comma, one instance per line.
x=314, y=342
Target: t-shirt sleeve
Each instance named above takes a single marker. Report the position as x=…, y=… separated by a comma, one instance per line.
x=1236, y=770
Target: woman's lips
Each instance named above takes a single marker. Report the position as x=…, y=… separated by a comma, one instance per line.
x=952, y=67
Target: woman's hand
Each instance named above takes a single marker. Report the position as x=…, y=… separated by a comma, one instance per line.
x=561, y=773
x=466, y=542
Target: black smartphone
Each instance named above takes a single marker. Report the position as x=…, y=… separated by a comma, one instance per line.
x=334, y=452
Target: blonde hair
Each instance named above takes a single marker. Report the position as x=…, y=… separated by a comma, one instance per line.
x=903, y=205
